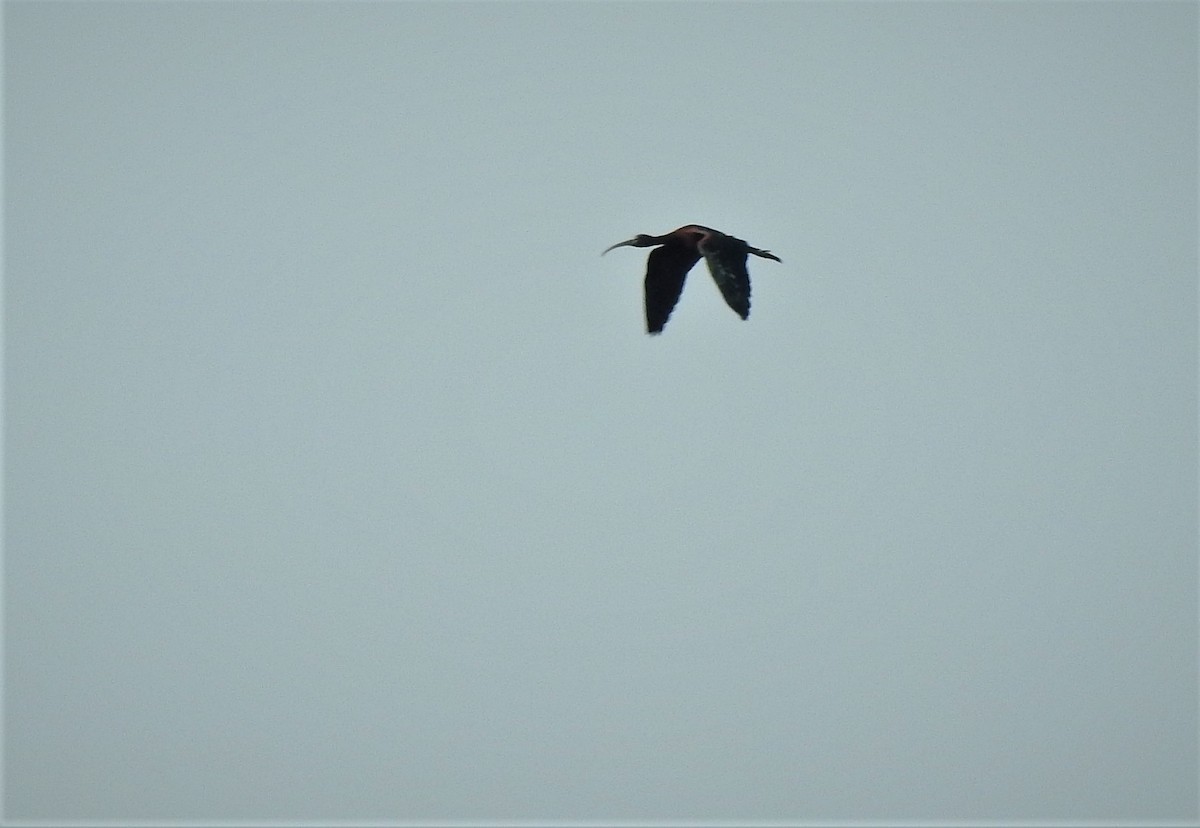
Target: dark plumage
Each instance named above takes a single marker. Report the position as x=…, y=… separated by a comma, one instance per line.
x=677, y=252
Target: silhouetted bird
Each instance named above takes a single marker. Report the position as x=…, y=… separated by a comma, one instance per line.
x=678, y=251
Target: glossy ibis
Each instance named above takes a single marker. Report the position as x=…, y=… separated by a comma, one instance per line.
x=677, y=252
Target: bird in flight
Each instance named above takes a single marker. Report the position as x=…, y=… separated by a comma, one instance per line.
x=676, y=253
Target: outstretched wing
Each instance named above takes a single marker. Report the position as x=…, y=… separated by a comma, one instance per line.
x=666, y=269
x=726, y=259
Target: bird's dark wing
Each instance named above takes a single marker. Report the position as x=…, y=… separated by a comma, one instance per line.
x=666, y=269
x=727, y=263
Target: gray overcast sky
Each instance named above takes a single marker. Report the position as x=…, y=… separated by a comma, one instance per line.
x=341, y=480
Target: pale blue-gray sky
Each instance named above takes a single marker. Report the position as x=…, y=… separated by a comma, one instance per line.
x=341, y=480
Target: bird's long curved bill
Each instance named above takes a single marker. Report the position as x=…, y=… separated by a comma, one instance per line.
x=628, y=243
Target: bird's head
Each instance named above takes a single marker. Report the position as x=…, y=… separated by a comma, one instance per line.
x=640, y=240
